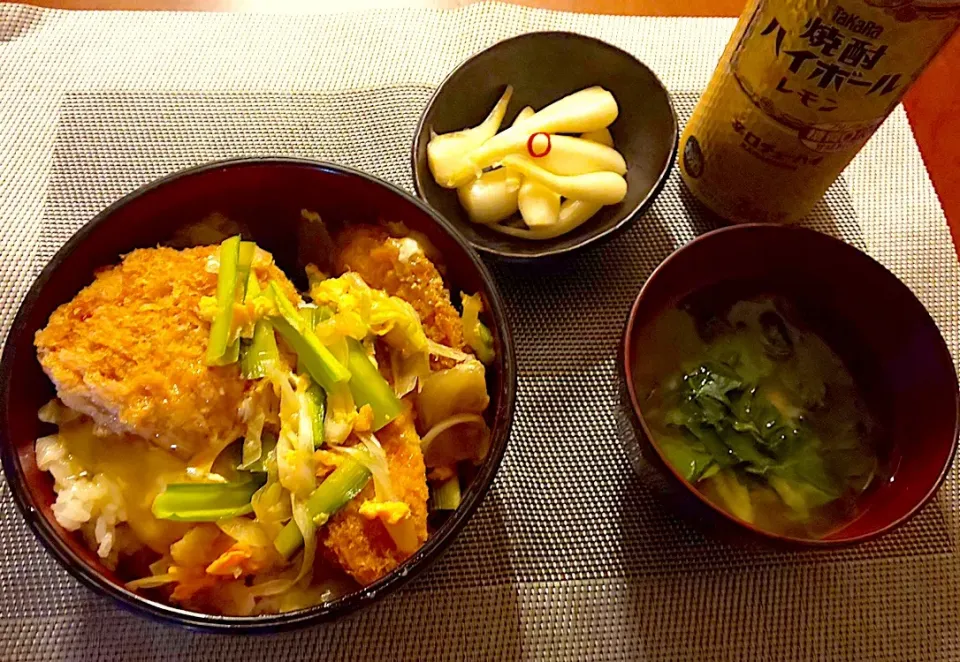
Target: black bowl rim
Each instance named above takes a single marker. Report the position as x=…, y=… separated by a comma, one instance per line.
x=626, y=343
x=272, y=623
x=606, y=235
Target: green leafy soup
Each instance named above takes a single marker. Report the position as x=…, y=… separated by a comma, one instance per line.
x=759, y=414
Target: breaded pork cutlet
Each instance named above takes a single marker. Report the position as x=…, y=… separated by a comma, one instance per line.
x=129, y=350
x=363, y=547
x=384, y=264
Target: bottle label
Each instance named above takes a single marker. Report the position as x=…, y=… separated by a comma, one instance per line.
x=833, y=74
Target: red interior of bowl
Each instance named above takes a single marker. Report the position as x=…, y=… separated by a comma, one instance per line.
x=888, y=340
x=265, y=197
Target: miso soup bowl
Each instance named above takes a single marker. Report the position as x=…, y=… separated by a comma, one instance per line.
x=886, y=338
x=264, y=198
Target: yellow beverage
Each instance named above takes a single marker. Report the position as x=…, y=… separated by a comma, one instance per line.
x=800, y=88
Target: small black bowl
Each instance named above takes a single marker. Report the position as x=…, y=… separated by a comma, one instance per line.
x=544, y=67
x=264, y=197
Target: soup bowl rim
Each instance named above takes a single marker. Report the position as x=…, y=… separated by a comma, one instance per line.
x=627, y=348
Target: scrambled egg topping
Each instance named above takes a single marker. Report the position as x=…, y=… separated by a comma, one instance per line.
x=389, y=512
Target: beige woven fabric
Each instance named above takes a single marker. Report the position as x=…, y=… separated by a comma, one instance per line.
x=569, y=558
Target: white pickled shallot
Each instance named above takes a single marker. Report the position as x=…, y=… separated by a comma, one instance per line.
x=554, y=183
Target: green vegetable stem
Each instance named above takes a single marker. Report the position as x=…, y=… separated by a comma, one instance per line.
x=205, y=502
x=317, y=404
x=262, y=350
x=369, y=387
x=219, y=348
x=334, y=493
x=317, y=359
x=446, y=495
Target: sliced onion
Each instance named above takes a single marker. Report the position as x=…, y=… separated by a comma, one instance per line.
x=245, y=530
x=151, y=582
x=437, y=349
x=375, y=460
x=252, y=441
x=305, y=427
x=294, y=462
x=445, y=425
x=408, y=371
x=271, y=505
x=161, y=566
x=309, y=532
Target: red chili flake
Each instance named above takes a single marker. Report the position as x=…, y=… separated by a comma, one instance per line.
x=530, y=149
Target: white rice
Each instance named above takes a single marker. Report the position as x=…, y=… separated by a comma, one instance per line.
x=88, y=502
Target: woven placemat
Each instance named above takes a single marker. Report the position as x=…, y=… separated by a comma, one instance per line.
x=569, y=557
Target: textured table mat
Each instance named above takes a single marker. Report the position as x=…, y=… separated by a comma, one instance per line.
x=569, y=557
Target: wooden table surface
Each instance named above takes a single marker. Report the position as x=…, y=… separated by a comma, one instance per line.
x=933, y=104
